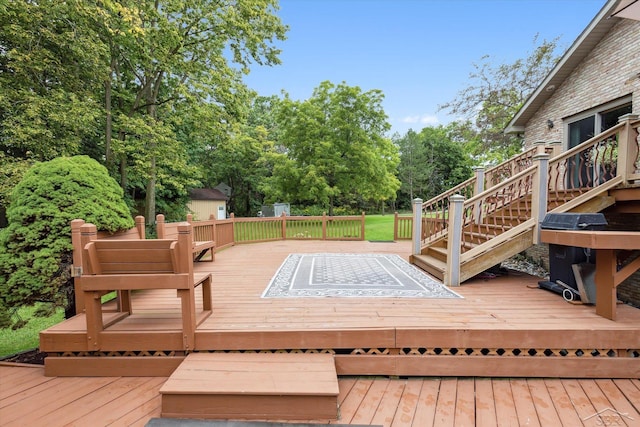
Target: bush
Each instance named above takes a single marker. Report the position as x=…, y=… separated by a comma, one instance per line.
x=35, y=248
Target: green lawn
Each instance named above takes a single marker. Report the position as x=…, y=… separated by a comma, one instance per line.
x=27, y=337
x=378, y=227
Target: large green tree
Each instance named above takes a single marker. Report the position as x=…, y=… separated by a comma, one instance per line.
x=174, y=55
x=495, y=93
x=35, y=249
x=120, y=80
x=241, y=159
x=431, y=162
x=50, y=65
x=335, y=149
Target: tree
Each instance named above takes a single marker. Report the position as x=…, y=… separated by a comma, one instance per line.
x=336, y=151
x=430, y=163
x=50, y=64
x=35, y=249
x=240, y=158
x=497, y=93
x=178, y=54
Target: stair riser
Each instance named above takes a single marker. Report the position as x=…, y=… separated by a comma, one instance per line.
x=249, y=407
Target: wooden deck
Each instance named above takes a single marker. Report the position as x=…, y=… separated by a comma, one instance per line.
x=27, y=397
x=505, y=327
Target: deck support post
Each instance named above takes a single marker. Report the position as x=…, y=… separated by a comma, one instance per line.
x=540, y=192
x=417, y=226
x=452, y=273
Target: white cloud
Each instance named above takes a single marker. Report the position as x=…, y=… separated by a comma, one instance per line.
x=425, y=119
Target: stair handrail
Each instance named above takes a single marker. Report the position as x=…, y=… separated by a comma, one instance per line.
x=599, y=150
x=435, y=225
x=435, y=210
x=490, y=210
x=585, y=166
x=513, y=165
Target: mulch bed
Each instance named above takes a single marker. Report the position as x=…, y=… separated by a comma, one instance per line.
x=34, y=357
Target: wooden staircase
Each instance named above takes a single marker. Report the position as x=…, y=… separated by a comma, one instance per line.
x=469, y=229
x=252, y=386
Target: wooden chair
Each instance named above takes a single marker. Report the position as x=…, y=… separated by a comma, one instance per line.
x=127, y=265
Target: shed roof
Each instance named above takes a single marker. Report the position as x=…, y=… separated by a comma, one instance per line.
x=207, y=194
x=581, y=47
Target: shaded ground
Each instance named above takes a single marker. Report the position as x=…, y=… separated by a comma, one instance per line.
x=33, y=356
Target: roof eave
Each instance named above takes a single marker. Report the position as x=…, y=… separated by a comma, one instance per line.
x=590, y=36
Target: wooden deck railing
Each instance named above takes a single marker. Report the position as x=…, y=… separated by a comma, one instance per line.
x=498, y=209
x=402, y=227
x=247, y=230
x=595, y=163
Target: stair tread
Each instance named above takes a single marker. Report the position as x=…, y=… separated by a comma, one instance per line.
x=254, y=374
x=434, y=262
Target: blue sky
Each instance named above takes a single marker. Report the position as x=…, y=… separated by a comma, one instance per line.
x=418, y=52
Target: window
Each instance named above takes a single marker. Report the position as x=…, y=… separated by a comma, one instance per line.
x=581, y=127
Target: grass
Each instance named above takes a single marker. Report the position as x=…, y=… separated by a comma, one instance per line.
x=27, y=337
x=378, y=227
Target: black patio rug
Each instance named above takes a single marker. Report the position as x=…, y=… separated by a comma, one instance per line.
x=353, y=275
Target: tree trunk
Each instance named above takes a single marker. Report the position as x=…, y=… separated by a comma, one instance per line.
x=150, y=200
x=107, y=131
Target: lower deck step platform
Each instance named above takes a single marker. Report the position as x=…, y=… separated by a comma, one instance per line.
x=252, y=386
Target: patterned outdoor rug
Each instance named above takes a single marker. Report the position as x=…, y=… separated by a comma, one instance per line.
x=353, y=275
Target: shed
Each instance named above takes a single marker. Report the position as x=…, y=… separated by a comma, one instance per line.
x=204, y=202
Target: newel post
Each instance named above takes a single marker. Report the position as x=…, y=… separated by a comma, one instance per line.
x=454, y=242
x=556, y=148
x=479, y=172
x=160, y=226
x=232, y=216
x=417, y=226
x=140, y=227
x=540, y=192
x=477, y=210
x=628, y=148
x=395, y=226
x=324, y=226
x=76, y=268
x=283, y=217
x=187, y=296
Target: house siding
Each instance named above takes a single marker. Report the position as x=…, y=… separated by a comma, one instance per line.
x=605, y=75
x=609, y=72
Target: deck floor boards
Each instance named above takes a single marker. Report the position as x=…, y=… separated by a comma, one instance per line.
x=413, y=402
x=241, y=273
x=510, y=308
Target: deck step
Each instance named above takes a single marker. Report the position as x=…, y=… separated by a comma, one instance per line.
x=252, y=386
x=430, y=264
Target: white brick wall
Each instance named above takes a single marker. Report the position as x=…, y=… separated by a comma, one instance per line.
x=603, y=76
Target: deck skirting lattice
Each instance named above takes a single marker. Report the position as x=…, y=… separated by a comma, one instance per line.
x=471, y=352
x=404, y=362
